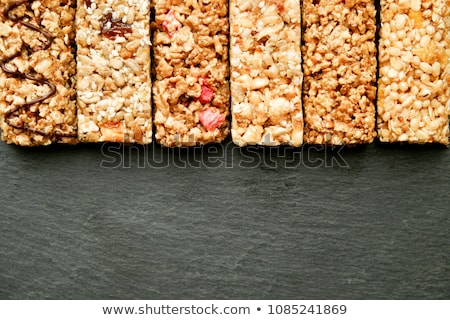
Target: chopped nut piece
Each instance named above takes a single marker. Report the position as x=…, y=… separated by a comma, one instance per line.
x=112, y=131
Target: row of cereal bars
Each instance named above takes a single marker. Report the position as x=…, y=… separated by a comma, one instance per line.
x=271, y=72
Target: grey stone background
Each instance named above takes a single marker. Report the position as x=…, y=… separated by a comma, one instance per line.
x=219, y=222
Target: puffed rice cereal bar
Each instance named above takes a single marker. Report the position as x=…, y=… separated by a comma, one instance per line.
x=113, y=71
x=37, y=74
x=339, y=66
x=266, y=75
x=191, y=90
x=414, y=80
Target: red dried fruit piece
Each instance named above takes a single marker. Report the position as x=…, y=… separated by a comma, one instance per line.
x=170, y=23
x=207, y=94
x=111, y=28
x=211, y=119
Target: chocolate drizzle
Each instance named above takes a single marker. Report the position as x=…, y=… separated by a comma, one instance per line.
x=3, y=64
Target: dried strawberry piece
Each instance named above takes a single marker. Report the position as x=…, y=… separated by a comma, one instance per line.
x=170, y=23
x=211, y=119
x=207, y=94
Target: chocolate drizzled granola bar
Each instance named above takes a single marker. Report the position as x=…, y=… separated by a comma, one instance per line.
x=37, y=95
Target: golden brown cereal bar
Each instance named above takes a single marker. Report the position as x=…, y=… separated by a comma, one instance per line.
x=37, y=68
x=191, y=90
x=113, y=71
x=339, y=66
x=414, y=80
x=266, y=75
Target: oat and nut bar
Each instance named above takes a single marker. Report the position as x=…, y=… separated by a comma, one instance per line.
x=414, y=79
x=191, y=88
x=37, y=72
x=339, y=55
x=113, y=71
x=266, y=75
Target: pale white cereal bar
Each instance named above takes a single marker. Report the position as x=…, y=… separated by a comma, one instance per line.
x=339, y=54
x=37, y=68
x=414, y=80
x=191, y=88
x=113, y=71
x=266, y=74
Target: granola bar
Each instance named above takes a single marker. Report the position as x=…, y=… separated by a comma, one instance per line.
x=414, y=80
x=37, y=68
x=191, y=90
x=340, y=64
x=113, y=71
x=266, y=75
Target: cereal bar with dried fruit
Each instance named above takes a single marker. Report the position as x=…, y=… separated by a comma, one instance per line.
x=266, y=74
x=414, y=79
x=113, y=71
x=37, y=72
x=191, y=88
x=339, y=55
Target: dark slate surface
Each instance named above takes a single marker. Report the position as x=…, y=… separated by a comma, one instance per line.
x=101, y=222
